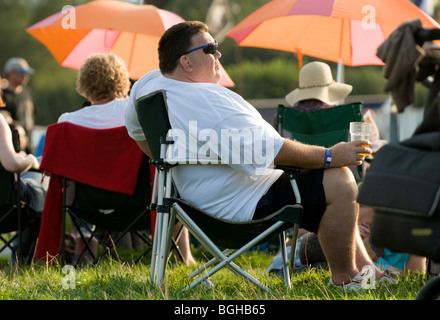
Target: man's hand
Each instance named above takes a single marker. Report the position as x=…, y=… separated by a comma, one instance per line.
x=350, y=153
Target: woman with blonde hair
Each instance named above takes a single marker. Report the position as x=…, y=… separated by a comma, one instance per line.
x=104, y=81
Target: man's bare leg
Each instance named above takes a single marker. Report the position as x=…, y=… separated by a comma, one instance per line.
x=338, y=232
x=184, y=244
x=362, y=257
x=337, y=228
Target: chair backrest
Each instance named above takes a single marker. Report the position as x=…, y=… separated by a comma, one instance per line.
x=104, y=158
x=324, y=127
x=112, y=210
x=153, y=106
x=109, y=171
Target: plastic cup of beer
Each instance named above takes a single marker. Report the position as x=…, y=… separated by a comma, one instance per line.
x=360, y=131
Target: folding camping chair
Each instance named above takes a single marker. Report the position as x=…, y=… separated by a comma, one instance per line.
x=324, y=127
x=100, y=179
x=236, y=237
x=15, y=215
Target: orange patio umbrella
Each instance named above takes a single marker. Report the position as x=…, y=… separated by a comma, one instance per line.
x=343, y=31
x=128, y=30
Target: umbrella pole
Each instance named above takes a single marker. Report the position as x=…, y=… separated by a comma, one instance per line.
x=340, y=68
x=340, y=72
x=340, y=76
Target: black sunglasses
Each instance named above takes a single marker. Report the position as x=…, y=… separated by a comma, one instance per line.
x=207, y=48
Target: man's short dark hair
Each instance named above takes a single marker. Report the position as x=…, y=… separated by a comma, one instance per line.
x=176, y=41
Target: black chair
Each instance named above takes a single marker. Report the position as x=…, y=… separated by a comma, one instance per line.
x=17, y=220
x=100, y=180
x=236, y=237
x=108, y=216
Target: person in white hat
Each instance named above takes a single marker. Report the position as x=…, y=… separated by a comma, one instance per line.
x=317, y=89
x=17, y=96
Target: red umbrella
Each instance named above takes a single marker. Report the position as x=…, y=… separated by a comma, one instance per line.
x=128, y=30
x=347, y=31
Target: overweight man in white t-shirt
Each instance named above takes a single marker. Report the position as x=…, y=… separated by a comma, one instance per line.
x=207, y=118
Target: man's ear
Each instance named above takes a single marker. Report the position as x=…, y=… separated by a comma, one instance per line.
x=185, y=62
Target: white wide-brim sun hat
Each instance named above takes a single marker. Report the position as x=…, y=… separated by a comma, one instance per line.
x=316, y=82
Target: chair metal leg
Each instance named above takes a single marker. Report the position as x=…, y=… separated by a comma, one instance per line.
x=170, y=230
x=166, y=224
x=234, y=268
x=286, y=267
x=154, y=249
x=293, y=245
x=158, y=191
x=166, y=234
x=208, y=264
x=225, y=261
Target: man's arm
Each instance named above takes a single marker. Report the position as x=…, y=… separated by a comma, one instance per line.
x=11, y=160
x=294, y=153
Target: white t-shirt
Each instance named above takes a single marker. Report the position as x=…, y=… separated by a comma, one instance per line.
x=100, y=116
x=208, y=119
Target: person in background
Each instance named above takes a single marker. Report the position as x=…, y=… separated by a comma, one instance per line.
x=18, y=96
x=103, y=80
x=32, y=187
x=317, y=89
x=385, y=258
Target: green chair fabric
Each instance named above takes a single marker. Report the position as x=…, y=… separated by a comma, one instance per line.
x=15, y=219
x=324, y=127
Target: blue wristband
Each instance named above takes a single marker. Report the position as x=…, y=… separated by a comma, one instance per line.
x=328, y=158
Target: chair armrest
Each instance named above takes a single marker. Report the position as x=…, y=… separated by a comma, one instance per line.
x=290, y=171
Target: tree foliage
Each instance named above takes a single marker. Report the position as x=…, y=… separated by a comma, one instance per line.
x=53, y=86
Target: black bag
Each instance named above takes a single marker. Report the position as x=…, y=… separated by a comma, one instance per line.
x=403, y=186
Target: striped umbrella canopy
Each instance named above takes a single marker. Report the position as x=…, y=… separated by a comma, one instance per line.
x=128, y=30
x=344, y=31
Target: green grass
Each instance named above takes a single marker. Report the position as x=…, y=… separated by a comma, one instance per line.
x=111, y=280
